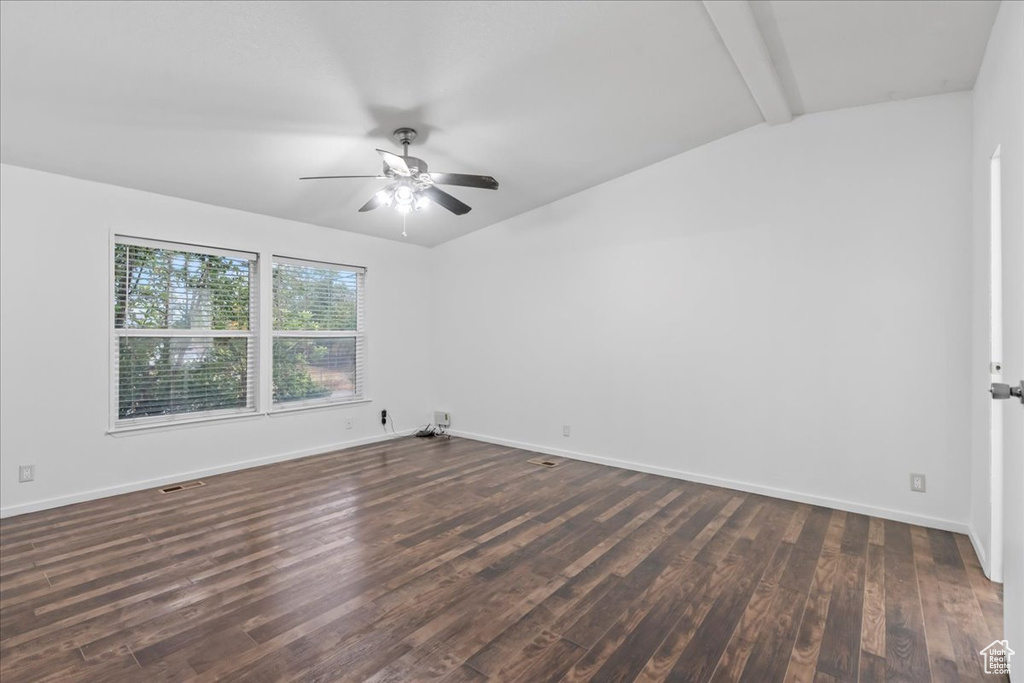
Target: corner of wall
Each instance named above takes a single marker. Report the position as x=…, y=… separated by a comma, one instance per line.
x=979, y=550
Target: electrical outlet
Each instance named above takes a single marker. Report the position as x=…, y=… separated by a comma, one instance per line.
x=26, y=473
x=917, y=483
x=348, y=423
x=565, y=430
x=384, y=417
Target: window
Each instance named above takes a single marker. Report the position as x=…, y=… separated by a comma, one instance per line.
x=318, y=333
x=186, y=335
x=184, y=340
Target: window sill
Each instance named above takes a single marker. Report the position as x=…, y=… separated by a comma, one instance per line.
x=132, y=430
x=278, y=412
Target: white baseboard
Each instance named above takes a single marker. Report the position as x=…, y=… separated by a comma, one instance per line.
x=834, y=503
x=95, y=494
x=979, y=550
x=848, y=506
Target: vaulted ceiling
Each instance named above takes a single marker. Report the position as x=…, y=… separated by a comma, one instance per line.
x=229, y=103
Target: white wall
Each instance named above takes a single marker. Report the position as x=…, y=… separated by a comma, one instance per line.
x=999, y=121
x=781, y=310
x=55, y=341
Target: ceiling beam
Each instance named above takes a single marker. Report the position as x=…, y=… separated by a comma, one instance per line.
x=735, y=23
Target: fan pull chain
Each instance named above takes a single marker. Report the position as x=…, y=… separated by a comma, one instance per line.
x=403, y=225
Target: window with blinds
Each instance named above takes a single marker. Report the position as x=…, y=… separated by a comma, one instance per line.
x=318, y=334
x=184, y=332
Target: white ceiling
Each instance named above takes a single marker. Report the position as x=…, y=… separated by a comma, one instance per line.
x=831, y=55
x=230, y=102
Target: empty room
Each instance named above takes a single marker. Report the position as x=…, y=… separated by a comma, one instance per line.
x=637, y=340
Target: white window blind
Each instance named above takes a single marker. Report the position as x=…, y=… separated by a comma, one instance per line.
x=184, y=332
x=318, y=332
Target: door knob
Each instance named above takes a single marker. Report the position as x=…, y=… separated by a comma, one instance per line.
x=1005, y=391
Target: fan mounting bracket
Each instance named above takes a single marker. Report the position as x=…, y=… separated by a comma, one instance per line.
x=404, y=136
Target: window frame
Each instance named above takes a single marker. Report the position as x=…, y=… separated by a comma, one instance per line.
x=252, y=335
x=360, y=394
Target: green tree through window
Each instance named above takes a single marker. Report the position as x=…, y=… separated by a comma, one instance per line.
x=183, y=326
x=317, y=332
x=186, y=332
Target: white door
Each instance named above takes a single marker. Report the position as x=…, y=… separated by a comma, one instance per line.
x=1012, y=280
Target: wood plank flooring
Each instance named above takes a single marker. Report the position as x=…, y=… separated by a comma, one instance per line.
x=436, y=560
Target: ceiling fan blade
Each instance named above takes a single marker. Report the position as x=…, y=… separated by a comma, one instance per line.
x=395, y=163
x=328, y=177
x=484, y=182
x=379, y=198
x=439, y=196
x=374, y=202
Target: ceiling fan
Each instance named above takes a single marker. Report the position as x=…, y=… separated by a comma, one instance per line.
x=412, y=186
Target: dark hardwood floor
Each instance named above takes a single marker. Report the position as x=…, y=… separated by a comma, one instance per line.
x=420, y=560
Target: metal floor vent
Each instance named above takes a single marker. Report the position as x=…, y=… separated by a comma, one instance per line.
x=543, y=462
x=182, y=487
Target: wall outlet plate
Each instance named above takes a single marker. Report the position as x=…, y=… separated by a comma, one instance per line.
x=348, y=423
x=565, y=430
x=26, y=473
x=442, y=418
x=917, y=483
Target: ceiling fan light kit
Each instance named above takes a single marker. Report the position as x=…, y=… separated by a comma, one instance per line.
x=414, y=187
